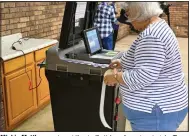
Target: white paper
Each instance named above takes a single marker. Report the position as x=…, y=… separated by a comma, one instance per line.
x=101, y=112
x=80, y=12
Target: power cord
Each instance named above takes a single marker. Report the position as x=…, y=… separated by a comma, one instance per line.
x=30, y=81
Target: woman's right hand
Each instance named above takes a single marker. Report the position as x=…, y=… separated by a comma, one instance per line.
x=115, y=64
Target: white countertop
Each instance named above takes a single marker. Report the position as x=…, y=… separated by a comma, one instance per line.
x=26, y=46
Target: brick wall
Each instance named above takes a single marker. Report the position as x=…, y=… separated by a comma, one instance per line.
x=179, y=13
x=179, y=18
x=32, y=19
x=37, y=19
x=43, y=19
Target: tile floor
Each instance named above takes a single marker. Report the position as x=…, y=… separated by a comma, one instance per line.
x=43, y=121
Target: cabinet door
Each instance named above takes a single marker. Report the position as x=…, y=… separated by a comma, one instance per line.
x=43, y=94
x=21, y=101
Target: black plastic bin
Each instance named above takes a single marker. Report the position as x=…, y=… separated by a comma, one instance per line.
x=75, y=100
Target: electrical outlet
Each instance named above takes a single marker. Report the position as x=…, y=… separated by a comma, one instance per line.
x=177, y=27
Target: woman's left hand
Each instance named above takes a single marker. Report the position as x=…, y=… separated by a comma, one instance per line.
x=109, y=78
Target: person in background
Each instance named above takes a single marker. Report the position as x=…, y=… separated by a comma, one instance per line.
x=152, y=84
x=104, y=18
x=115, y=26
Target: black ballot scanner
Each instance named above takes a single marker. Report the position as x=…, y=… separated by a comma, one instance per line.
x=75, y=68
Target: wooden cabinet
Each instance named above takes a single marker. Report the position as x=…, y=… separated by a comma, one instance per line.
x=20, y=100
x=17, y=63
x=40, y=54
x=43, y=94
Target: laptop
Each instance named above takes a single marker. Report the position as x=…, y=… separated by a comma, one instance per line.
x=94, y=47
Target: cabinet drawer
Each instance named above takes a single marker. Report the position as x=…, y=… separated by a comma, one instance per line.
x=41, y=54
x=18, y=63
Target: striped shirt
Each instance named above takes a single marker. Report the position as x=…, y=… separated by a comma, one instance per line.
x=152, y=71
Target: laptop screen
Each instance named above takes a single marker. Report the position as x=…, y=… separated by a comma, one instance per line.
x=92, y=40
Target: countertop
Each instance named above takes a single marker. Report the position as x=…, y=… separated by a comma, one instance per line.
x=27, y=45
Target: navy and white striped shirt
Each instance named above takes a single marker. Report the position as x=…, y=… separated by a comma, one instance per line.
x=153, y=71
x=104, y=18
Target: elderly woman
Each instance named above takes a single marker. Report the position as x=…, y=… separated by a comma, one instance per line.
x=154, y=94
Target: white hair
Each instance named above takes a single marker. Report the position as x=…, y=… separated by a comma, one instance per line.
x=140, y=11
